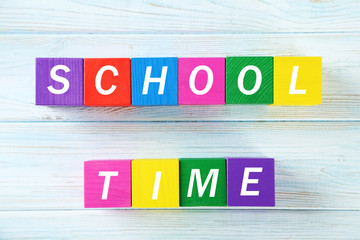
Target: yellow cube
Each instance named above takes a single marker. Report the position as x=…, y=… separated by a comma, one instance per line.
x=297, y=80
x=155, y=183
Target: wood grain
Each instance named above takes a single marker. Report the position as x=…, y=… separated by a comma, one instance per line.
x=316, y=149
x=180, y=224
x=341, y=61
x=186, y=16
x=316, y=163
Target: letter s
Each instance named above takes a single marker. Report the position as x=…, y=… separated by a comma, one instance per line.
x=57, y=78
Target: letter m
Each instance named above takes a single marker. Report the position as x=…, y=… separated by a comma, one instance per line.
x=195, y=173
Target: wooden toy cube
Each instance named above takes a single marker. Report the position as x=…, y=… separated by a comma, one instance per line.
x=155, y=183
x=107, y=82
x=297, y=80
x=201, y=81
x=107, y=183
x=154, y=81
x=202, y=182
x=250, y=182
x=59, y=81
x=249, y=80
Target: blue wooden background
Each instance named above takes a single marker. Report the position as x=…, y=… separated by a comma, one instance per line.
x=317, y=148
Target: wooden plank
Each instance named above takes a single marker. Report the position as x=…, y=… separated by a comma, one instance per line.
x=180, y=224
x=340, y=52
x=316, y=163
x=186, y=16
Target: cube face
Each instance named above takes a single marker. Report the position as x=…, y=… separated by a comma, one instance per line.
x=251, y=70
x=155, y=183
x=303, y=88
x=107, y=82
x=147, y=88
x=210, y=174
x=107, y=184
x=195, y=76
x=59, y=81
x=250, y=182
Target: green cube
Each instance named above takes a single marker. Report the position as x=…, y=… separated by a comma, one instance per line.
x=249, y=80
x=202, y=182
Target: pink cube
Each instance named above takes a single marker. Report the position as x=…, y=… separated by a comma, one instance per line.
x=107, y=183
x=201, y=81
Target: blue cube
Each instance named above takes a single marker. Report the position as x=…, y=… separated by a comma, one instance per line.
x=154, y=81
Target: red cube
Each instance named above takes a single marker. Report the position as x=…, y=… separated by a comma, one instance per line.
x=107, y=82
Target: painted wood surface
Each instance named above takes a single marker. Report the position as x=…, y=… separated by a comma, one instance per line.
x=155, y=183
x=316, y=162
x=111, y=80
x=316, y=148
x=186, y=16
x=180, y=224
x=68, y=87
x=211, y=172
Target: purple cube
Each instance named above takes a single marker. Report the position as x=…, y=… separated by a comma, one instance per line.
x=250, y=182
x=59, y=81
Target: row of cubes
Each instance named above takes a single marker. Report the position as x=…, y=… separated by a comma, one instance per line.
x=184, y=182
x=178, y=81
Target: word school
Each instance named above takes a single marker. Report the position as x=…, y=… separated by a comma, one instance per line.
x=184, y=182
x=178, y=81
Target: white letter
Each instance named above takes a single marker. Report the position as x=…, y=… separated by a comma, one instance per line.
x=209, y=81
x=59, y=79
x=241, y=80
x=156, y=186
x=246, y=181
x=107, y=176
x=293, y=82
x=160, y=80
x=201, y=188
x=99, y=76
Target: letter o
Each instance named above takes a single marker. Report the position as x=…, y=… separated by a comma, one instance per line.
x=209, y=81
x=241, y=80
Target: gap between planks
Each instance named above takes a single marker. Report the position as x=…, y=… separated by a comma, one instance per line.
x=174, y=33
x=192, y=121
